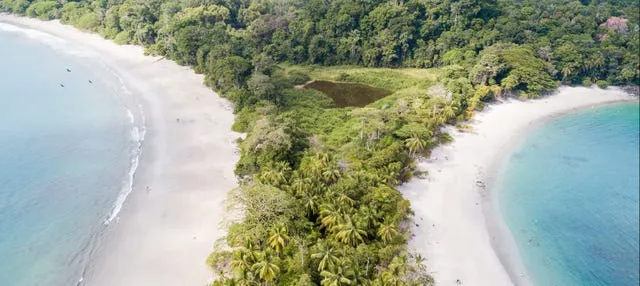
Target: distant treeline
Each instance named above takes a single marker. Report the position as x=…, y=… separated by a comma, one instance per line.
x=317, y=182
x=570, y=41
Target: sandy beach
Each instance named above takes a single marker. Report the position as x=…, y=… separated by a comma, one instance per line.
x=170, y=221
x=458, y=229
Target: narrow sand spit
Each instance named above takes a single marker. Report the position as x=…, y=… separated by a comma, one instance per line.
x=169, y=223
x=458, y=229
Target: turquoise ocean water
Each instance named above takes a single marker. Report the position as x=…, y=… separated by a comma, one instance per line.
x=66, y=158
x=569, y=195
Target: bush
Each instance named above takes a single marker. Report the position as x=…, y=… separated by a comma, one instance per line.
x=88, y=22
x=122, y=38
x=587, y=82
x=20, y=6
x=298, y=77
x=343, y=77
x=602, y=83
x=46, y=10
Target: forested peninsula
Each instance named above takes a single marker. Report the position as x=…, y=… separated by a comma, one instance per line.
x=317, y=179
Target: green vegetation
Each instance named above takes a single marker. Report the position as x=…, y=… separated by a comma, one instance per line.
x=392, y=79
x=317, y=181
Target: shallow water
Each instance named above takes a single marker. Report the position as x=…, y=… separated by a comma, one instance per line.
x=65, y=155
x=570, y=196
x=346, y=94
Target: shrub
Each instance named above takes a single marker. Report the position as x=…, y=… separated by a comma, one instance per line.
x=602, y=83
x=46, y=10
x=298, y=77
x=343, y=77
x=20, y=6
x=88, y=22
x=122, y=38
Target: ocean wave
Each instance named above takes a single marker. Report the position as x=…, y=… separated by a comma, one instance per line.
x=135, y=125
x=137, y=135
x=138, y=129
x=128, y=187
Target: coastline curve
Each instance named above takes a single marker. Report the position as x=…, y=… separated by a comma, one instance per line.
x=463, y=236
x=174, y=207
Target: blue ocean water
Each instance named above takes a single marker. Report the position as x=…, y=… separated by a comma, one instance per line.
x=65, y=157
x=570, y=196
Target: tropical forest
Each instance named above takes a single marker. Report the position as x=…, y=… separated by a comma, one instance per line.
x=338, y=99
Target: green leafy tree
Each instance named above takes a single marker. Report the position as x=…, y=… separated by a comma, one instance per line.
x=387, y=232
x=266, y=268
x=348, y=232
x=279, y=238
x=327, y=256
x=340, y=276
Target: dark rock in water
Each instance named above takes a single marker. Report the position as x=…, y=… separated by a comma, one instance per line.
x=61, y=85
x=68, y=70
x=90, y=81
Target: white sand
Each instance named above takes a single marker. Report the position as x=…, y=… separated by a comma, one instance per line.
x=163, y=236
x=459, y=232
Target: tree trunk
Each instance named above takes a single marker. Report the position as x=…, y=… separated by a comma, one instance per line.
x=366, y=271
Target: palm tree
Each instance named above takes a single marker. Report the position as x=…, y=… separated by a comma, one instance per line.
x=346, y=200
x=349, y=233
x=278, y=238
x=449, y=112
x=241, y=263
x=367, y=216
x=224, y=280
x=387, y=232
x=324, y=158
x=395, y=272
x=566, y=71
x=316, y=165
x=341, y=276
x=246, y=278
x=267, y=270
x=273, y=177
x=359, y=276
x=419, y=261
x=300, y=186
x=311, y=204
x=415, y=144
x=330, y=176
x=389, y=174
x=329, y=216
x=248, y=251
x=327, y=255
x=276, y=174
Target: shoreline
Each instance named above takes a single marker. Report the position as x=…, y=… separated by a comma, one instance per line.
x=171, y=218
x=164, y=212
x=460, y=228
